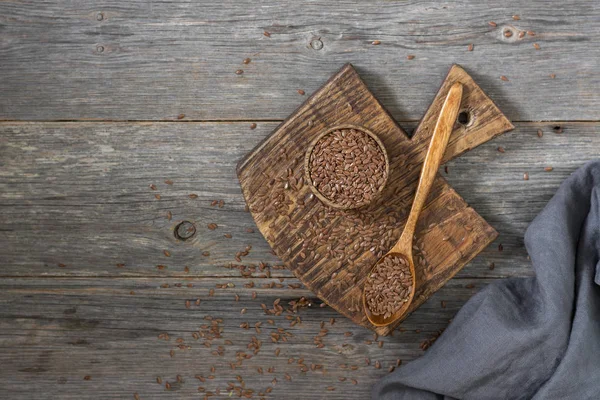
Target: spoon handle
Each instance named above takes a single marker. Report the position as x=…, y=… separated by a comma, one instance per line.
x=437, y=147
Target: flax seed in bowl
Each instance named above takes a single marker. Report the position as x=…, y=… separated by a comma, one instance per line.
x=347, y=167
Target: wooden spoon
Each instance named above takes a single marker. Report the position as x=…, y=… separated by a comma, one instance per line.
x=403, y=247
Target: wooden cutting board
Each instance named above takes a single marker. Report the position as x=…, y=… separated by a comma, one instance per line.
x=330, y=250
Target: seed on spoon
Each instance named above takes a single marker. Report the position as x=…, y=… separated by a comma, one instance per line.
x=388, y=286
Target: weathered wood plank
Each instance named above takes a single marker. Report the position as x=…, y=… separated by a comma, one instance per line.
x=142, y=60
x=78, y=194
x=55, y=332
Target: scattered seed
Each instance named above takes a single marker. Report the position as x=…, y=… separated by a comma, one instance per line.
x=508, y=33
x=501, y=149
x=504, y=78
x=470, y=286
x=228, y=235
x=157, y=196
x=376, y=42
x=253, y=125
x=492, y=266
x=540, y=133
x=492, y=23
x=552, y=76
x=522, y=34
x=181, y=116
x=169, y=182
x=557, y=129
x=169, y=215
x=247, y=61
x=212, y=226
x=525, y=176
x=470, y=48
x=516, y=17
x=239, y=72
x=87, y=378
x=167, y=253
x=301, y=92
x=193, y=196
x=443, y=303
x=548, y=169
x=410, y=57
x=153, y=186
x=531, y=33
x=267, y=34
x=500, y=247
x=536, y=46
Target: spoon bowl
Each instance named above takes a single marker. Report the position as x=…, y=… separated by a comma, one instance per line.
x=379, y=319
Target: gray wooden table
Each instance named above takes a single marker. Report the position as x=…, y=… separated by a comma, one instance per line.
x=121, y=120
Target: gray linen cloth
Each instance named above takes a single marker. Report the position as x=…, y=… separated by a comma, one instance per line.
x=526, y=338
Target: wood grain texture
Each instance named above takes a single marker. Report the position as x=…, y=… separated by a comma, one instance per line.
x=332, y=250
x=155, y=60
x=55, y=332
x=78, y=194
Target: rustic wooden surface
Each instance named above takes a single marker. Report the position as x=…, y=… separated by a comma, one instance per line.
x=449, y=233
x=76, y=203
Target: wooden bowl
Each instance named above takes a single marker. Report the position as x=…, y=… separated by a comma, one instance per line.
x=319, y=195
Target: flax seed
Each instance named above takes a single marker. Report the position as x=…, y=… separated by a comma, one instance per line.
x=388, y=286
x=348, y=167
